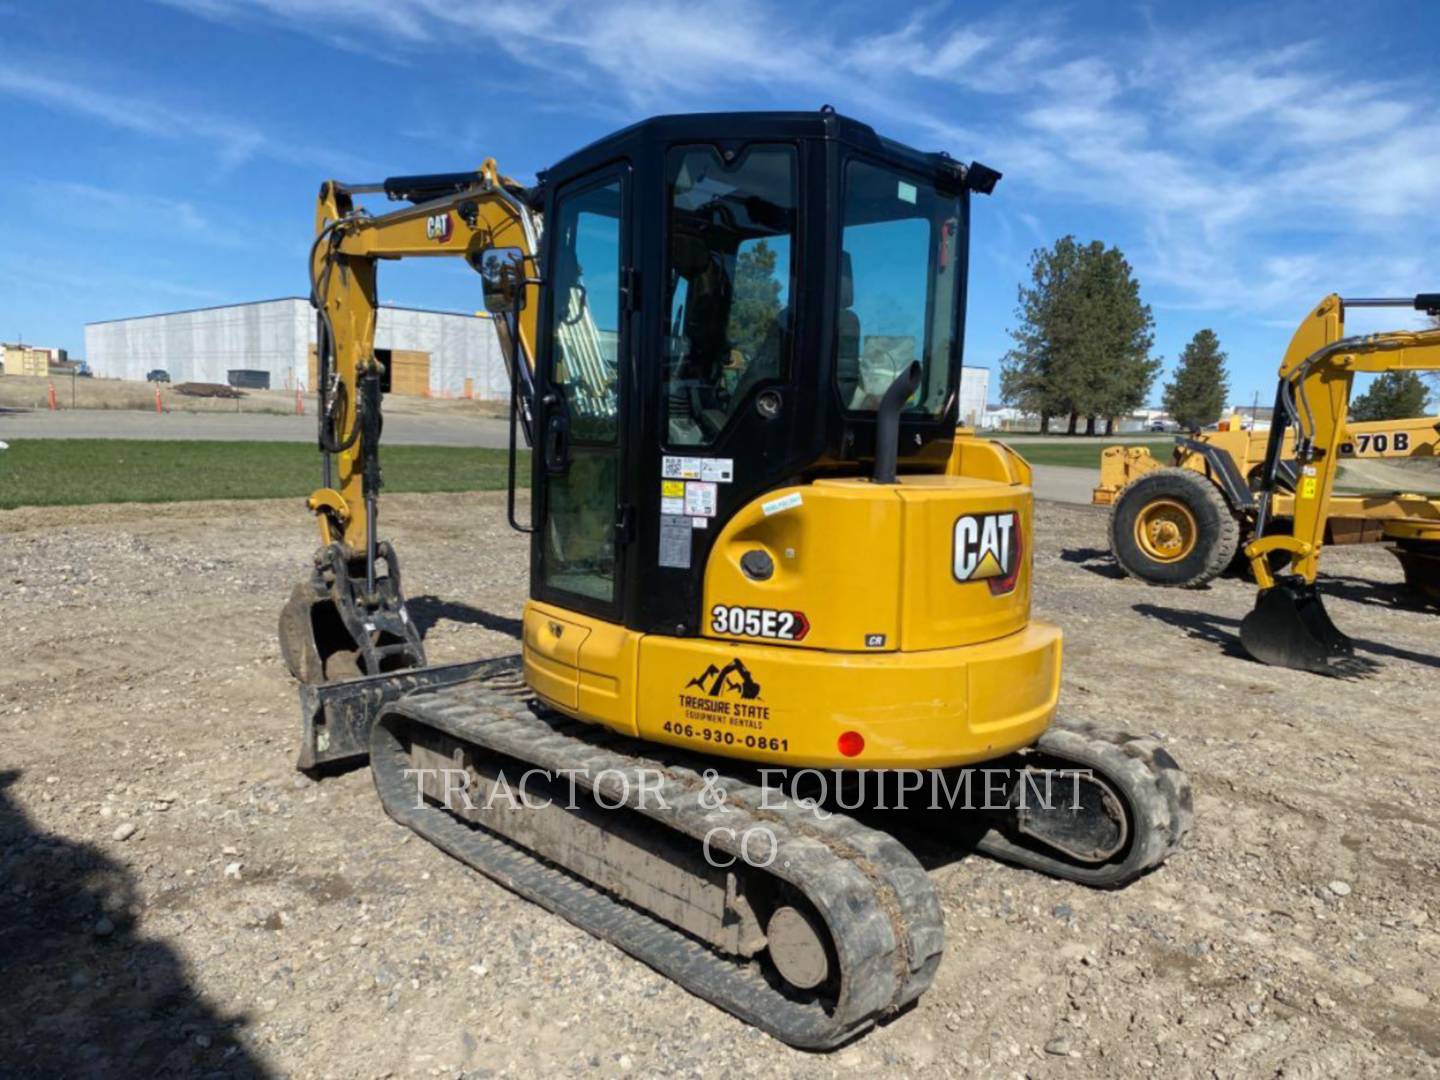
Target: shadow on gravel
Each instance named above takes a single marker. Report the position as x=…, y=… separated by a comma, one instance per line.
x=1391, y=597
x=86, y=994
x=1216, y=629
x=1096, y=560
x=426, y=611
x=1225, y=632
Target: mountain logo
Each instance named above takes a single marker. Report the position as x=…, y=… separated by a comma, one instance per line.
x=734, y=678
x=986, y=546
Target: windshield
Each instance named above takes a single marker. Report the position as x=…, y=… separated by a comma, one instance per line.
x=731, y=230
x=899, y=287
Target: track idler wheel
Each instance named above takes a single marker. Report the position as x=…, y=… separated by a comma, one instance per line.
x=1290, y=627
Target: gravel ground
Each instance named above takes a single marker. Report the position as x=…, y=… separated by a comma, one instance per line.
x=175, y=898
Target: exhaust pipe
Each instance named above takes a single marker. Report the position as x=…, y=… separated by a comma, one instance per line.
x=887, y=422
x=1290, y=627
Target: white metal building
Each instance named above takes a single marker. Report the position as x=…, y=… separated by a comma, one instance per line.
x=439, y=353
x=974, y=387
x=435, y=352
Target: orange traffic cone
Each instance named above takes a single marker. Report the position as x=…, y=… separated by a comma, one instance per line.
x=54, y=404
x=158, y=407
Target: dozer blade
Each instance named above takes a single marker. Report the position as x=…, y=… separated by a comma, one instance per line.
x=1291, y=628
x=337, y=716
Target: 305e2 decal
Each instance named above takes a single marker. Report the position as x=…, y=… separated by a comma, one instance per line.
x=734, y=621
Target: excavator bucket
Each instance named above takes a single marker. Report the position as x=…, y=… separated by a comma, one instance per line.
x=334, y=626
x=1291, y=628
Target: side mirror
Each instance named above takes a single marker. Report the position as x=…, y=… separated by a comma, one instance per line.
x=502, y=279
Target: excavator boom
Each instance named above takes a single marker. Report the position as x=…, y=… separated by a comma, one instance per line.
x=349, y=619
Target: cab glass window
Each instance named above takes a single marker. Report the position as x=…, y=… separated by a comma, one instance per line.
x=899, y=286
x=578, y=552
x=731, y=231
x=587, y=312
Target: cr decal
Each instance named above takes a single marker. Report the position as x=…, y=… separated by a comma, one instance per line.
x=759, y=623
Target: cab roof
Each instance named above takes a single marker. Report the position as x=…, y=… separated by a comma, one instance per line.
x=743, y=127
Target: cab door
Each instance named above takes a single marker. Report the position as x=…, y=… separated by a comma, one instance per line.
x=583, y=389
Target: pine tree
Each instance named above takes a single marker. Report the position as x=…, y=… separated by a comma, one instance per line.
x=756, y=304
x=1082, y=346
x=1395, y=395
x=1196, y=395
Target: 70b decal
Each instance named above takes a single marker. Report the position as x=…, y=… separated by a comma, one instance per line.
x=1378, y=442
x=735, y=621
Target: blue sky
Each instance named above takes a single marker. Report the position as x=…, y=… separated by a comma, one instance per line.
x=1248, y=159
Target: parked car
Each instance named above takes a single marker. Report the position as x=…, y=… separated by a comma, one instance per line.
x=157, y=375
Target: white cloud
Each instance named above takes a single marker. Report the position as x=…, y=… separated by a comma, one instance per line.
x=235, y=142
x=1249, y=176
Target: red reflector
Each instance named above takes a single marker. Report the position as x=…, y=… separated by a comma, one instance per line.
x=851, y=743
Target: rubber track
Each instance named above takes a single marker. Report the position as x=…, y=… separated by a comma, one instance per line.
x=874, y=897
x=1154, y=787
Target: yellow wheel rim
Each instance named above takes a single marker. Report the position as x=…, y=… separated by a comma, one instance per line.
x=1165, y=530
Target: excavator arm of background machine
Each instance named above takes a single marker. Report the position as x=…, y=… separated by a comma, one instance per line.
x=349, y=618
x=1289, y=626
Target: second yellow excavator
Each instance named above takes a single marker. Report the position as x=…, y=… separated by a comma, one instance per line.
x=762, y=559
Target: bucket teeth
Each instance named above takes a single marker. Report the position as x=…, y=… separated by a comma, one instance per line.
x=1290, y=627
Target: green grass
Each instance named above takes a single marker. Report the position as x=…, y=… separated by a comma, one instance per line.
x=1085, y=455
x=69, y=472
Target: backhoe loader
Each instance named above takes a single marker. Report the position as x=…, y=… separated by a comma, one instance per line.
x=1289, y=625
x=1181, y=522
x=760, y=554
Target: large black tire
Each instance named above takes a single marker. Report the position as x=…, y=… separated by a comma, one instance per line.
x=1209, y=533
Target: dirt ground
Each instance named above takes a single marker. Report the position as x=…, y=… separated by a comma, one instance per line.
x=256, y=922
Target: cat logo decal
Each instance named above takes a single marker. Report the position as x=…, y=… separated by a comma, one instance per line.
x=987, y=548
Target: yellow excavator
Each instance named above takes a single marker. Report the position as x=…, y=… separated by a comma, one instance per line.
x=774, y=592
x=1289, y=625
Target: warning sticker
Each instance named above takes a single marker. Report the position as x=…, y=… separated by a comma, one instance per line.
x=675, y=533
x=714, y=470
x=700, y=498
x=670, y=505
x=672, y=489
